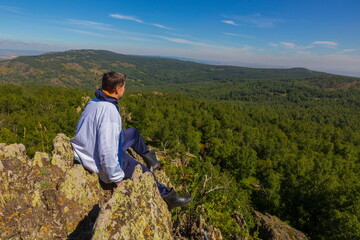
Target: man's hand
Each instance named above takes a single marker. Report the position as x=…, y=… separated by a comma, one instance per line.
x=118, y=184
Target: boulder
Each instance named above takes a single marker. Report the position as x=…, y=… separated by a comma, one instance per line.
x=50, y=198
x=62, y=155
x=135, y=211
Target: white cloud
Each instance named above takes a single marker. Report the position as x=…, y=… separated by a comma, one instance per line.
x=11, y=9
x=86, y=23
x=349, y=50
x=230, y=22
x=90, y=25
x=240, y=35
x=138, y=39
x=83, y=32
x=201, y=46
x=258, y=20
x=274, y=44
x=326, y=43
x=6, y=43
x=161, y=26
x=130, y=18
x=182, y=41
x=304, y=53
x=247, y=48
x=288, y=45
x=307, y=47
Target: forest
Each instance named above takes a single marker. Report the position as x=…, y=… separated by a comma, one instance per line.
x=288, y=148
x=281, y=141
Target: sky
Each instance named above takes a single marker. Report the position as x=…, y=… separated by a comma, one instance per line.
x=322, y=35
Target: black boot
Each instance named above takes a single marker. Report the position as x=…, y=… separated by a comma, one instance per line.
x=151, y=161
x=173, y=200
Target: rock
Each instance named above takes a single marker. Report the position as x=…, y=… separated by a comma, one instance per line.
x=78, y=194
x=135, y=211
x=42, y=199
x=192, y=228
x=160, y=175
x=13, y=151
x=272, y=228
x=40, y=159
x=206, y=231
x=62, y=155
x=21, y=210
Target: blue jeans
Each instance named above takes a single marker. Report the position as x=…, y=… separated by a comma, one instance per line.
x=132, y=138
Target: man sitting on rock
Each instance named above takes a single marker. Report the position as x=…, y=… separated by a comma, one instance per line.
x=100, y=143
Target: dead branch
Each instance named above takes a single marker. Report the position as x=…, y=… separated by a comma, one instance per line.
x=214, y=189
x=204, y=183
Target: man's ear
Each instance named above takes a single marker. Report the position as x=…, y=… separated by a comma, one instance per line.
x=117, y=89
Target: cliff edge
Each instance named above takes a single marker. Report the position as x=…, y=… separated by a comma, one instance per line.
x=48, y=197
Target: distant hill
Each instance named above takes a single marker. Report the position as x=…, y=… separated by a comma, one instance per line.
x=82, y=68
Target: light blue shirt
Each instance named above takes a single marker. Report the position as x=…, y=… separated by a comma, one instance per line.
x=98, y=140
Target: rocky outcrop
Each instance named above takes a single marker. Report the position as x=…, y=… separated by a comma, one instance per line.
x=50, y=198
x=272, y=228
x=144, y=214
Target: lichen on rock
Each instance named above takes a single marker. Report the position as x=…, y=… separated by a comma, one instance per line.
x=40, y=158
x=135, y=211
x=43, y=199
x=13, y=151
x=62, y=155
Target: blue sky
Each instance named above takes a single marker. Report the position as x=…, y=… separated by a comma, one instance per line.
x=318, y=34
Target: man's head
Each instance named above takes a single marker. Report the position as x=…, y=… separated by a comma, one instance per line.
x=114, y=83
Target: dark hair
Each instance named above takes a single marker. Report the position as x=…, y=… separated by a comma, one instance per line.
x=111, y=80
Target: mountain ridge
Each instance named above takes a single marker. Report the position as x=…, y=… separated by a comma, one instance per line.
x=83, y=69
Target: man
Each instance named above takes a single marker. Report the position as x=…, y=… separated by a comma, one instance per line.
x=100, y=143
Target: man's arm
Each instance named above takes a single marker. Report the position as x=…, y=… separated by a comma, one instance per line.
x=108, y=149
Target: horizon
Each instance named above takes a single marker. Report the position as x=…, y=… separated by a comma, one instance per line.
x=29, y=53
x=248, y=33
